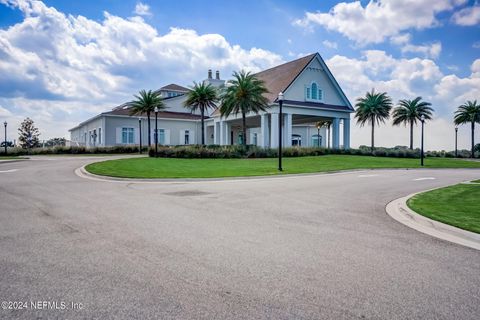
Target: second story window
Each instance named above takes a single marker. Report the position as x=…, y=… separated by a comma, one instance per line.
x=313, y=93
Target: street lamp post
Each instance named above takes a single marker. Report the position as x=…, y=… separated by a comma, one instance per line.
x=318, y=135
x=280, y=118
x=422, y=118
x=5, y=142
x=140, y=133
x=156, y=132
x=456, y=139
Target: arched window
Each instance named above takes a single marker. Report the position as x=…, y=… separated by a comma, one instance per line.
x=313, y=93
x=296, y=140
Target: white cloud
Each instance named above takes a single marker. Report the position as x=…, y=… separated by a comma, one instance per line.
x=378, y=20
x=427, y=50
x=469, y=16
x=476, y=45
x=330, y=44
x=430, y=50
x=142, y=9
x=407, y=79
x=67, y=68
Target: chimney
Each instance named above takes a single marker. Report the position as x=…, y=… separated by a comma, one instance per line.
x=209, y=73
x=217, y=75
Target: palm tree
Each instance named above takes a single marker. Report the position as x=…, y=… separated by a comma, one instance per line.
x=202, y=97
x=409, y=111
x=468, y=112
x=326, y=124
x=145, y=102
x=243, y=94
x=373, y=108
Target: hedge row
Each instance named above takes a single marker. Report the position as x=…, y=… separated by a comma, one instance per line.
x=235, y=151
x=71, y=150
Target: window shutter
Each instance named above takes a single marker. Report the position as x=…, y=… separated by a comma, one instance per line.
x=182, y=137
x=136, y=136
x=118, y=135
x=192, y=136
x=167, y=136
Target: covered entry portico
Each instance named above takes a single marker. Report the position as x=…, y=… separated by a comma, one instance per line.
x=298, y=126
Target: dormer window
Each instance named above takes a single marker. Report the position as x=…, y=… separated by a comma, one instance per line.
x=313, y=93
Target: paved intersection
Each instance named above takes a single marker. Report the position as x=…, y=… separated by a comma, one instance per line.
x=304, y=247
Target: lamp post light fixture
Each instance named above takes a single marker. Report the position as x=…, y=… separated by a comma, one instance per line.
x=140, y=133
x=422, y=118
x=156, y=132
x=456, y=139
x=5, y=142
x=280, y=118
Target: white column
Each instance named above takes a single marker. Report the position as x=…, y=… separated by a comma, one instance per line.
x=336, y=133
x=222, y=132
x=346, y=133
x=287, y=137
x=227, y=133
x=215, y=139
x=264, y=130
x=274, y=131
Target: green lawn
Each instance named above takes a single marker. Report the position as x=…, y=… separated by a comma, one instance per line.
x=456, y=205
x=214, y=168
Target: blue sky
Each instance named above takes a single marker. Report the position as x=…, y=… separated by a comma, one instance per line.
x=64, y=61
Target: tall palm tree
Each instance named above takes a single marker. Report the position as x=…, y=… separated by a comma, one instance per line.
x=468, y=112
x=409, y=111
x=373, y=108
x=145, y=102
x=202, y=97
x=243, y=94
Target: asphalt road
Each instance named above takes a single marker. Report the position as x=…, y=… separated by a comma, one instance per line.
x=304, y=247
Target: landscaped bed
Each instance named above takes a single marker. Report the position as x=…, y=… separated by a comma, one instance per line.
x=456, y=205
x=215, y=168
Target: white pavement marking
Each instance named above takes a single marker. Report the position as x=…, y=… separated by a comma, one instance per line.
x=426, y=178
x=7, y=171
x=367, y=175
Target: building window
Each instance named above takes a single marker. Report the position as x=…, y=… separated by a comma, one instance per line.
x=161, y=136
x=316, y=140
x=313, y=93
x=240, y=138
x=187, y=137
x=255, y=139
x=99, y=135
x=296, y=140
x=127, y=135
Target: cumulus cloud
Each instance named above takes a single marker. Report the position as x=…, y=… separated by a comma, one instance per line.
x=469, y=16
x=378, y=20
x=53, y=64
x=142, y=9
x=330, y=44
x=429, y=50
x=407, y=79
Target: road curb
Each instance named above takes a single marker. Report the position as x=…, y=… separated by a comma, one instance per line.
x=398, y=210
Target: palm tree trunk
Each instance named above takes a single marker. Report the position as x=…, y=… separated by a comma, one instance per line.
x=473, y=139
x=244, y=124
x=202, y=110
x=373, y=133
x=411, y=134
x=148, y=129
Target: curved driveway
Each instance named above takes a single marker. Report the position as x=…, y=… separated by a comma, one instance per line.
x=304, y=247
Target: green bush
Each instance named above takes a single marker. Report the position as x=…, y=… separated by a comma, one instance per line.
x=72, y=150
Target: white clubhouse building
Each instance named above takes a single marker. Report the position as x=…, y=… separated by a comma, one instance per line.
x=311, y=94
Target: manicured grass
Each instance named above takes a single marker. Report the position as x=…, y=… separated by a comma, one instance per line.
x=214, y=168
x=456, y=205
x=476, y=181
